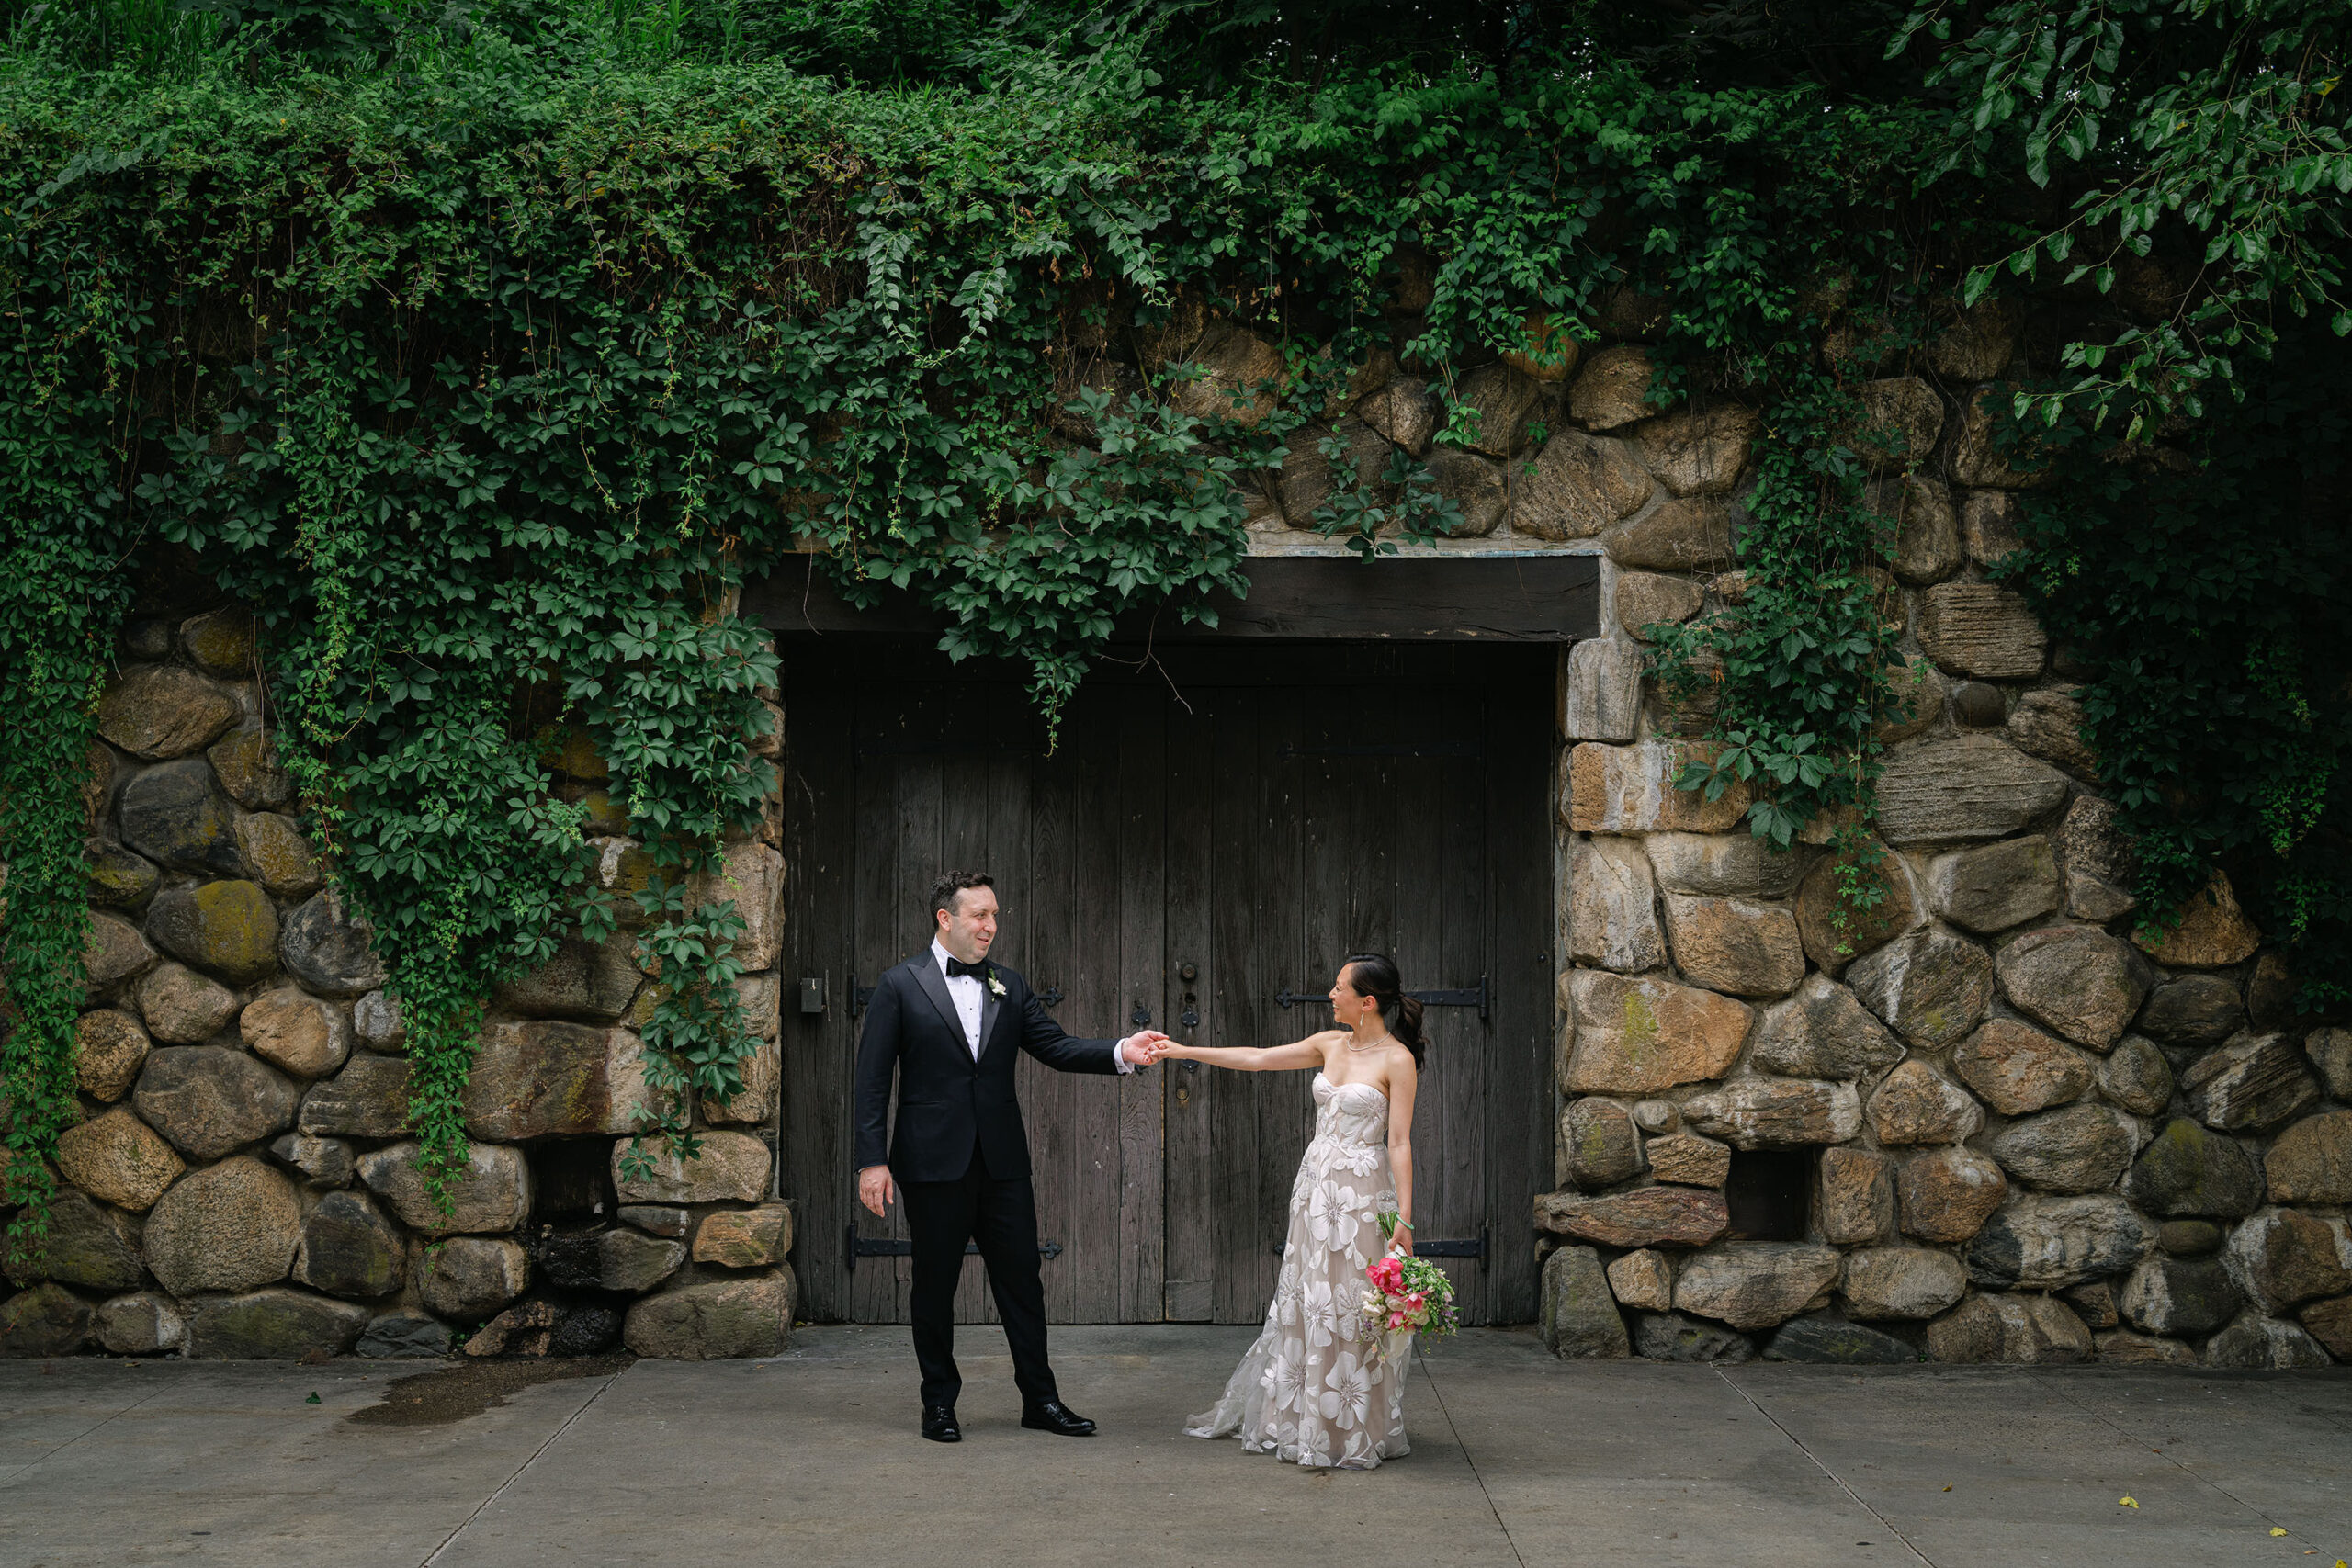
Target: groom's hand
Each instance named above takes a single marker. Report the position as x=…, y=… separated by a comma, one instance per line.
x=874, y=1188
x=1145, y=1046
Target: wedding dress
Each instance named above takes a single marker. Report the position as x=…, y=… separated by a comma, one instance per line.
x=1322, y=1386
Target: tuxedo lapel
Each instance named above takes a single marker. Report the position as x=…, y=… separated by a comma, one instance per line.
x=990, y=1008
x=935, y=985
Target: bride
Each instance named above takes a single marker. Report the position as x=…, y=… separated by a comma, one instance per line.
x=1322, y=1386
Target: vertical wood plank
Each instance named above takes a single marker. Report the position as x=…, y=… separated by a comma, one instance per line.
x=1193, y=1205
x=817, y=1051
x=1519, y=1133
x=1141, y=1171
x=1458, y=1185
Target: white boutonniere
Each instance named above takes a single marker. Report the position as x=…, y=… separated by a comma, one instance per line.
x=995, y=985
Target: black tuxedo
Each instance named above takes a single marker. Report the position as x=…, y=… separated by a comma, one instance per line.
x=960, y=1155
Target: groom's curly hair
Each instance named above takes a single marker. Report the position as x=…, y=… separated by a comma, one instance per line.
x=951, y=884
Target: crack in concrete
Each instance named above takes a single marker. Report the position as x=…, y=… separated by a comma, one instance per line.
x=110, y=1416
x=1908, y=1545
x=450, y=1539
x=1468, y=1458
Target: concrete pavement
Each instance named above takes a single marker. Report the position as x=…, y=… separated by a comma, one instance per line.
x=1519, y=1461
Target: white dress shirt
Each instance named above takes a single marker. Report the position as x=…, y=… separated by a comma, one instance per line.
x=964, y=990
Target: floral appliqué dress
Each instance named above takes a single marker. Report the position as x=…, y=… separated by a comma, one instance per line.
x=1322, y=1386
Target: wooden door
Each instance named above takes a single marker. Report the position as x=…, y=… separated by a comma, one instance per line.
x=1216, y=828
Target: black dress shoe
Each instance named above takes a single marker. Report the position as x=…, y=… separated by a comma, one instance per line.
x=1054, y=1417
x=939, y=1424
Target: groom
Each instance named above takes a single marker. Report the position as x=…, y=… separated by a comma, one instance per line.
x=949, y=1021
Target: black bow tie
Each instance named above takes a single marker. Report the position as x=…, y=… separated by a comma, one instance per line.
x=956, y=968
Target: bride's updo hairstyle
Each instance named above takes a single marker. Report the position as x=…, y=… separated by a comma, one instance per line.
x=1375, y=975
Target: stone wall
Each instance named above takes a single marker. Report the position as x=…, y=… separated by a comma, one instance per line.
x=2026, y=1134
x=241, y=1184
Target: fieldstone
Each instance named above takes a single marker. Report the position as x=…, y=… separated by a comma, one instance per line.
x=1612, y=390
x=1735, y=945
x=348, y=1248
x=176, y=814
x=1504, y=400
x=228, y=927
x=1948, y=1194
x=301, y=1034
x=403, y=1336
x=2255, y=1082
x=2187, y=1171
x=1630, y=789
x=245, y=760
x=2094, y=1303
x=277, y=854
x=1930, y=986
x=1976, y=705
x=656, y=1219
x=1643, y=1279
x=375, y=1017
x=2179, y=1295
x=2136, y=1077
x=1724, y=864
x=1756, y=1284
x=2189, y=1238
x=323, y=1163
x=748, y=1315
x=85, y=1245
x=208, y=1100
x=2081, y=1148
x=1902, y=1283
x=2271, y=1001
x=1677, y=534
x=140, y=1324
x=630, y=1261
x=1834, y=933
x=586, y=1329
x=2099, y=860
x=1698, y=452
x=181, y=1007
x=1977, y=345
x=1648, y=1216
x=1924, y=546
x=1989, y=522
x=546, y=1079
x=1830, y=1341
x=469, y=1278
x=1475, y=485
x=2330, y=1323
x=1915, y=1105
x=48, y=1320
x=588, y=981
x=1821, y=1031
x=1969, y=787
x=110, y=1046
x=2051, y=725
x=2042, y=1243
x=228, y=1227
x=118, y=1159
x=1915, y=701
x=1602, y=1146
x=2022, y=1329
x=2193, y=1009
x=1403, y=413
x=1638, y=1036
x=526, y=1329
x=113, y=953
x=1978, y=457
x=731, y=1168
x=117, y=879
x=1856, y=1201
x=157, y=711
x=2311, y=1161
x=745, y=1238
x=1309, y=474
x=1238, y=376
x=2016, y=1069
x=2213, y=932
x=2282, y=1258
x=219, y=642
x=566, y=1259
x=1575, y=488
x=273, y=1326
x=2330, y=1051
x=1996, y=887
x=1648, y=599
x=491, y=1194
x=328, y=950
x=1760, y=1113
x=762, y=1072
x=1579, y=1316
x=367, y=1100
x=1689, y=1160
x=2077, y=979
x=1671, y=1337
x=1602, y=697
x=1981, y=630
x=1902, y=416
x=2125, y=1348
x=2264, y=1344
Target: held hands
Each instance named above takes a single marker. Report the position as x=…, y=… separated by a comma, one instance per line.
x=1147, y=1046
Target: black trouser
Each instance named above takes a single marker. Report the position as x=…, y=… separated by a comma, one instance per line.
x=1001, y=1215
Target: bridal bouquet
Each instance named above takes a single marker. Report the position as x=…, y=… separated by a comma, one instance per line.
x=1410, y=1295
